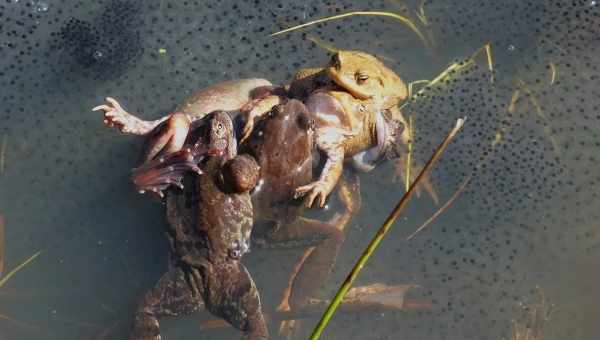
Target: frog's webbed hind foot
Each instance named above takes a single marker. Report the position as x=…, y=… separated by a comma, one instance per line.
x=158, y=174
x=232, y=295
x=173, y=295
x=145, y=327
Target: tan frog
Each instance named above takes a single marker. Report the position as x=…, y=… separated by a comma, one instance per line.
x=362, y=75
x=345, y=99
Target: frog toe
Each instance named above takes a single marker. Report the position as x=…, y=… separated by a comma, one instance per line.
x=145, y=327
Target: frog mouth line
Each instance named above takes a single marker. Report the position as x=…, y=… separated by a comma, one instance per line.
x=347, y=85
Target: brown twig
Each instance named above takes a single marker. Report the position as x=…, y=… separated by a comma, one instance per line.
x=441, y=210
x=20, y=324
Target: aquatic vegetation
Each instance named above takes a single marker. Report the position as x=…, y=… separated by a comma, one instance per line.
x=10, y=274
x=370, y=249
x=441, y=210
x=404, y=20
x=5, y=278
x=410, y=151
x=3, y=154
x=533, y=318
x=445, y=76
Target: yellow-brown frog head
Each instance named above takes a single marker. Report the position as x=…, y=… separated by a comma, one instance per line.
x=366, y=78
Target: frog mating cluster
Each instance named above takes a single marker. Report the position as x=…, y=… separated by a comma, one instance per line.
x=218, y=187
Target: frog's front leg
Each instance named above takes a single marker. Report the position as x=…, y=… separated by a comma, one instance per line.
x=173, y=295
x=116, y=116
x=330, y=141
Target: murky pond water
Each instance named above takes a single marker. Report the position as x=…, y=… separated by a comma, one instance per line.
x=515, y=256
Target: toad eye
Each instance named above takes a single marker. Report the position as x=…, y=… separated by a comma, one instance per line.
x=361, y=77
x=220, y=126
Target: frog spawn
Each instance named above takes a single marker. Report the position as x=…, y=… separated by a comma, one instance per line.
x=55, y=173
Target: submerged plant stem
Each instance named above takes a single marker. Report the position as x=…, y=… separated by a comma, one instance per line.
x=381, y=234
x=442, y=209
x=17, y=268
x=410, y=150
x=3, y=155
x=406, y=21
x=322, y=44
x=552, y=73
x=18, y=323
x=2, y=228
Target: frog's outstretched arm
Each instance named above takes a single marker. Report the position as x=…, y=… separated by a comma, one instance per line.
x=227, y=96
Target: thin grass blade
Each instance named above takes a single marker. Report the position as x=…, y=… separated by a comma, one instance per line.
x=17, y=268
x=343, y=290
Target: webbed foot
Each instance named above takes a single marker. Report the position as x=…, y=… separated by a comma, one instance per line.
x=158, y=174
x=145, y=327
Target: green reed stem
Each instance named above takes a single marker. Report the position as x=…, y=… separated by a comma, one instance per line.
x=339, y=296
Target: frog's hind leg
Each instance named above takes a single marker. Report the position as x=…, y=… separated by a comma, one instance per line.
x=174, y=295
x=170, y=137
x=158, y=174
x=315, y=265
x=232, y=294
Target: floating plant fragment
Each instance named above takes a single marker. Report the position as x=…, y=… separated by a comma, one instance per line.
x=404, y=20
x=18, y=268
x=10, y=274
x=3, y=154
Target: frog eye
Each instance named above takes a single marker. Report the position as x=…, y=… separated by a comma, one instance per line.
x=361, y=77
x=220, y=126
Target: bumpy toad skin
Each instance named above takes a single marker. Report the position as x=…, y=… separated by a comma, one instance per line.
x=358, y=73
x=345, y=98
x=282, y=144
x=209, y=229
x=367, y=78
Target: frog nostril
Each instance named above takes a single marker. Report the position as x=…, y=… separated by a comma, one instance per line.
x=235, y=254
